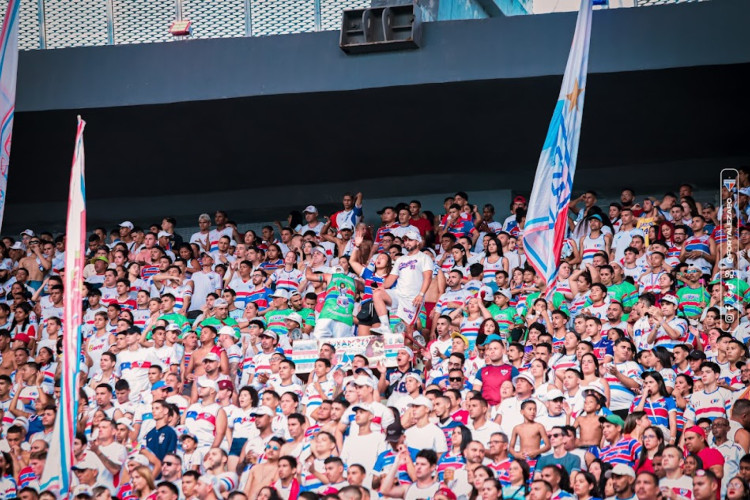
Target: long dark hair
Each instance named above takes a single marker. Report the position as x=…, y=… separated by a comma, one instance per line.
x=596, y=363
x=659, y=381
x=564, y=477
x=526, y=474
x=8, y=464
x=27, y=309
x=745, y=487
x=589, y=477
x=465, y=260
x=466, y=437
x=663, y=356
x=604, y=466
x=644, y=453
x=499, y=247
x=272, y=493
x=481, y=336
x=490, y=474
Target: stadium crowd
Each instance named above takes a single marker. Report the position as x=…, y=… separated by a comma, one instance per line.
x=626, y=379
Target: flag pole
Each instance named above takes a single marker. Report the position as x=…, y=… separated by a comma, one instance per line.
x=59, y=466
x=8, y=75
x=547, y=215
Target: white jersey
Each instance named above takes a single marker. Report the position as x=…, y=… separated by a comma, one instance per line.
x=203, y=284
x=214, y=235
x=88, y=319
x=109, y=295
x=201, y=422
x=682, y=487
x=409, y=269
x=167, y=355
x=621, y=240
x=95, y=348
x=141, y=317
x=133, y=366
x=400, y=231
x=414, y=492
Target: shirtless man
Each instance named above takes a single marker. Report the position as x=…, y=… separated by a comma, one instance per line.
x=7, y=361
x=265, y=473
x=335, y=410
x=588, y=424
x=36, y=264
x=196, y=368
x=530, y=433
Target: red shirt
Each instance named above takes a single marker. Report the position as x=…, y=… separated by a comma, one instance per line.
x=711, y=457
x=423, y=224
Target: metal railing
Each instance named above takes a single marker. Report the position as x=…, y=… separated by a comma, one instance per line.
x=51, y=24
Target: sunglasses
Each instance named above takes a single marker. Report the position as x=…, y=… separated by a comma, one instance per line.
x=169, y=463
x=556, y=435
x=274, y=448
x=455, y=379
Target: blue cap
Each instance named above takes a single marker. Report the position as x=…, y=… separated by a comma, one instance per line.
x=492, y=338
x=596, y=216
x=160, y=384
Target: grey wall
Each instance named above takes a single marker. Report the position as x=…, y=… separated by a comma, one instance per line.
x=713, y=32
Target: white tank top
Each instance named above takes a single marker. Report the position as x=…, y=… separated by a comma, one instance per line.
x=201, y=421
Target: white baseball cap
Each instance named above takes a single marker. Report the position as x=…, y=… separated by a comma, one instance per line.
x=363, y=406
x=126, y=224
x=364, y=380
x=422, y=401
x=310, y=209
x=87, y=463
x=227, y=330
x=212, y=481
x=295, y=317
x=620, y=470
x=412, y=235
x=263, y=410
x=527, y=377
x=207, y=382
x=139, y=459
x=553, y=394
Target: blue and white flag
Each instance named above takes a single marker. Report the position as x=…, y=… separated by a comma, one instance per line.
x=58, y=469
x=547, y=215
x=8, y=73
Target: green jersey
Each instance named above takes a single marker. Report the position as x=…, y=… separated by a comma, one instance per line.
x=506, y=318
x=218, y=323
x=338, y=304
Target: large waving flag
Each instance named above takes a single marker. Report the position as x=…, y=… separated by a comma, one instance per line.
x=8, y=71
x=57, y=471
x=547, y=216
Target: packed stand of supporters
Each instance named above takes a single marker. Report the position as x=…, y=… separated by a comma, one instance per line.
x=627, y=378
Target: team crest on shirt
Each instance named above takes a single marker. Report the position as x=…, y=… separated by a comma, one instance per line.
x=730, y=183
x=504, y=371
x=715, y=401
